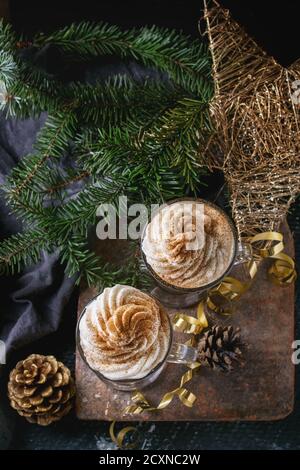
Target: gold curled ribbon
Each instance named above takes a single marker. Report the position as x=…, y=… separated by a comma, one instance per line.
x=120, y=436
x=188, y=324
x=188, y=399
x=252, y=268
x=267, y=252
x=229, y=289
x=282, y=271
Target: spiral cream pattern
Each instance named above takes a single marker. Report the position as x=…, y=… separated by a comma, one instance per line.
x=168, y=250
x=124, y=333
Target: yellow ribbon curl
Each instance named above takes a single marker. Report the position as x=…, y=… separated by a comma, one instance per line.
x=229, y=289
x=188, y=324
x=282, y=271
x=141, y=404
x=187, y=398
x=120, y=436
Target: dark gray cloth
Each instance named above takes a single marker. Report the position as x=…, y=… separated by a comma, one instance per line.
x=32, y=302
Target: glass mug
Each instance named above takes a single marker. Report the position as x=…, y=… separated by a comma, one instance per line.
x=175, y=296
x=176, y=353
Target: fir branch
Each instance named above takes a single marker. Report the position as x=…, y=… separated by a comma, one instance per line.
x=120, y=99
x=25, y=248
x=52, y=141
x=60, y=129
x=81, y=261
x=7, y=37
x=86, y=39
x=33, y=92
x=187, y=62
x=141, y=163
x=183, y=131
x=79, y=213
x=133, y=273
x=7, y=68
x=60, y=182
x=27, y=206
x=21, y=250
x=57, y=133
x=166, y=156
x=23, y=185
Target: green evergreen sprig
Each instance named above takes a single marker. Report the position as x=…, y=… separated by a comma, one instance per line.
x=185, y=61
x=8, y=38
x=141, y=139
x=22, y=249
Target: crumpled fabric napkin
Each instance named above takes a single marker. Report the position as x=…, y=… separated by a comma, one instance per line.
x=31, y=303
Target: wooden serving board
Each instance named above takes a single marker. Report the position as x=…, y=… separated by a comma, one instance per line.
x=261, y=390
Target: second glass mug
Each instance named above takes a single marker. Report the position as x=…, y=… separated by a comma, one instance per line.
x=177, y=353
x=176, y=297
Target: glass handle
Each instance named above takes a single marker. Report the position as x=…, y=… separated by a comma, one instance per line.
x=243, y=254
x=182, y=354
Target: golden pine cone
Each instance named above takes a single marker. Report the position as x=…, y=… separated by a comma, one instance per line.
x=41, y=389
x=221, y=348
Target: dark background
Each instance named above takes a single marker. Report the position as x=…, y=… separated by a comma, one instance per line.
x=276, y=28
x=275, y=25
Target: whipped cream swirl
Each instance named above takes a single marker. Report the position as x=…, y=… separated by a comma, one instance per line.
x=189, y=244
x=124, y=333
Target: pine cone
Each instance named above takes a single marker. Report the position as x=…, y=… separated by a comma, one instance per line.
x=41, y=389
x=219, y=348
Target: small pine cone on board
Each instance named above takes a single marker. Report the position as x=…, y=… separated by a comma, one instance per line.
x=220, y=348
x=41, y=389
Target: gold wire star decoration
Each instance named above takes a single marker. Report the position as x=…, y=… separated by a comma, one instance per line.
x=256, y=114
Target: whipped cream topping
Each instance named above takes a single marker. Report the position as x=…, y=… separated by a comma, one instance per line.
x=194, y=256
x=124, y=333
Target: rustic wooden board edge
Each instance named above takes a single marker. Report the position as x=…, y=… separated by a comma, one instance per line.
x=149, y=417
